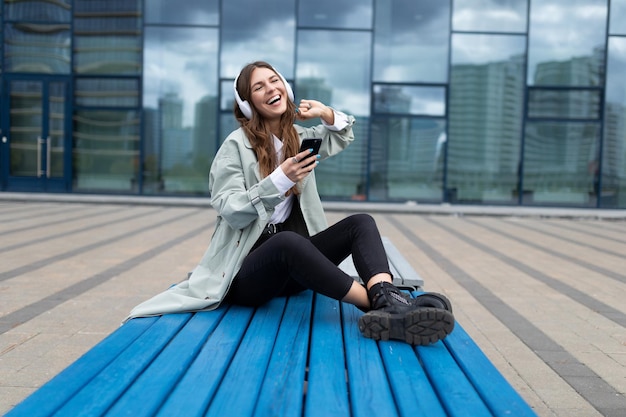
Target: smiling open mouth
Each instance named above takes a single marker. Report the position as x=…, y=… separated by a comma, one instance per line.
x=273, y=99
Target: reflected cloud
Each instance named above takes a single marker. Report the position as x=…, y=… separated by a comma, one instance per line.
x=489, y=17
x=562, y=30
x=244, y=21
x=409, y=16
x=273, y=42
x=485, y=49
x=340, y=14
x=408, y=31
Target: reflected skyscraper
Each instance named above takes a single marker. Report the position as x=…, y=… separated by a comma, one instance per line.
x=176, y=143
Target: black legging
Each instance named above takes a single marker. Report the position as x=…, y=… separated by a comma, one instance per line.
x=288, y=263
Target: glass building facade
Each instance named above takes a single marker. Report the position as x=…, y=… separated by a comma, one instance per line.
x=517, y=102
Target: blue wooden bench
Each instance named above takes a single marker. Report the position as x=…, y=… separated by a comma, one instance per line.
x=301, y=356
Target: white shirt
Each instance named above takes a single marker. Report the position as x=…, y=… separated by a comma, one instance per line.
x=283, y=183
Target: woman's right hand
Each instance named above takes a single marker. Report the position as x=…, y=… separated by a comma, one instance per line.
x=299, y=166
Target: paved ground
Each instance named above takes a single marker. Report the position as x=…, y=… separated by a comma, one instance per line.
x=542, y=292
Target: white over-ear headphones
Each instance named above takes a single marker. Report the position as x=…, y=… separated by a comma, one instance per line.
x=244, y=106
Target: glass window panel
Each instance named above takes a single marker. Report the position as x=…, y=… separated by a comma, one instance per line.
x=257, y=30
x=411, y=41
x=614, y=148
x=490, y=15
x=566, y=44
x=406, y=161
x=57, y=11
x=34, y=47
x=343, y=83
x=341, y=14
x=417, y=100
x=26, y=127
x=107, y=92
x=194, y=12
x=106, y=150
x=485, y=107
x=559, y=163
x=577, y=104
x=617, y=25
x=107, y=36
x=180, y=99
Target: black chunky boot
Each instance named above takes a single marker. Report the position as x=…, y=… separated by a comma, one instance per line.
x=420, y=321
x=431, y=299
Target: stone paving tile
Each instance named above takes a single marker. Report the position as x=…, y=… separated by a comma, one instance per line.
x=517, y=284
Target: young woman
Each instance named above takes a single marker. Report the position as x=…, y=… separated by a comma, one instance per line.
x=271, y=238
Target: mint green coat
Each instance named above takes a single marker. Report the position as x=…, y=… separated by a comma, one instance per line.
x=244, y=202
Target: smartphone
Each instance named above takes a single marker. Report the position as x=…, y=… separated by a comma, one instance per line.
x=311, y=143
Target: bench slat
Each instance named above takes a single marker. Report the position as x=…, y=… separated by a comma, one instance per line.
x=248, y=366
x=327, y=393
x=196, y=389
x=147, y=393
x=100, y=393
x=499, y=395
x=455, y=391
x=367, y=380
x=413, y=392
x=283, y=388
x=51, y=396
x=402, y=267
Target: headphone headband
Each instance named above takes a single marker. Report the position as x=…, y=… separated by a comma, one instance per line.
x=244, y=106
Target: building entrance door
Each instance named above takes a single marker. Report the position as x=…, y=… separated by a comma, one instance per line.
x=35, y=147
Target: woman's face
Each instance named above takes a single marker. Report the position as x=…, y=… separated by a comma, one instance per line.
x=267, y=93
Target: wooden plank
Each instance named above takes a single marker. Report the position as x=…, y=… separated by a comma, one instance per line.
x=457, y=394
x=283, y=387
x=248, y=367
x=51, y=396
x=327, y=393
x=403, y=268
x=413, y=393
x=149, y=391
x=101, y=392
x=197, y=388
x=495, y=390
x=370, y=393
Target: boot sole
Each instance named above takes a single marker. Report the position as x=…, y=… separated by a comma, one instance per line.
x=422, y=326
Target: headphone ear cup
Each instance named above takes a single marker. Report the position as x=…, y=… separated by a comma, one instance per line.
x=287, y=87
x=244, y=106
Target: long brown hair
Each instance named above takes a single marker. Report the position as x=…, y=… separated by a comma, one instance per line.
x=257, y=130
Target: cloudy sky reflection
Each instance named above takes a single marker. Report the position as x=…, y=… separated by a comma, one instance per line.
x=490, y=15
x=410, y=41
x=563, y=29
x=343, y=14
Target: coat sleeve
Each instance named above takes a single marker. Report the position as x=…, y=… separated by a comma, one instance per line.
x=235, y=192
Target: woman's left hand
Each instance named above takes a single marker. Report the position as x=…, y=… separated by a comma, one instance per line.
x=309, y=109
